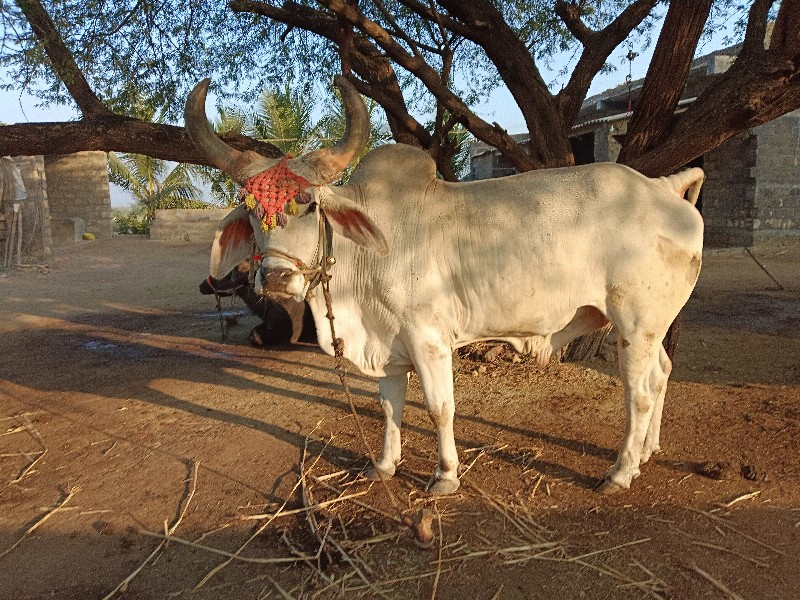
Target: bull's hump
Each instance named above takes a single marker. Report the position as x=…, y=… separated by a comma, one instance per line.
x=397, y=163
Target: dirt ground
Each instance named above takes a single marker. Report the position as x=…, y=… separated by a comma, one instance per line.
x=123, y=415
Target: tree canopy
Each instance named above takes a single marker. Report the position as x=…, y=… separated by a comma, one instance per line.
x=410, y=56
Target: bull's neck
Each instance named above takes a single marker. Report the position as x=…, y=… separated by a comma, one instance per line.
x=341, y=286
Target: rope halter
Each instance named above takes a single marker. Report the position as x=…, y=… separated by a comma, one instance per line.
x=273, y=194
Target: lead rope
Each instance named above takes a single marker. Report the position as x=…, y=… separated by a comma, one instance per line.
x=341, y=368
x=223, y=333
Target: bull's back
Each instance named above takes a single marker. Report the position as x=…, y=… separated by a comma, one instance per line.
x=518, y=253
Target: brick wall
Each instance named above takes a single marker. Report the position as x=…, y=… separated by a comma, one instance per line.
x=78, y=194
x=187, y=224
x=776, y=211
x=729, y=192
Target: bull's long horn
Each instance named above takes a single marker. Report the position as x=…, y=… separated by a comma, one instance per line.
x=221, y=155
x=325, y=165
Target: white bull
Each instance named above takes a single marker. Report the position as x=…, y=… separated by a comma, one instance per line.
x=535, y=259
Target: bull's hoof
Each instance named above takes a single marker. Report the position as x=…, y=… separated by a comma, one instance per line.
x=443, y=487
x=607, y=487
x=647, y=453
x=378, y=474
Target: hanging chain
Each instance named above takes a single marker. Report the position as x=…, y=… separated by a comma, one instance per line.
x=629, y=78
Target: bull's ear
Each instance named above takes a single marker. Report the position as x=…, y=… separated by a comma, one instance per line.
x=233, y=242
x=349, y=219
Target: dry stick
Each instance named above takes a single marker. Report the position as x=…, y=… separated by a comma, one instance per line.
x=232, y=556
x=35, y=435
x=16, y=429
x=339, y=491
x=735, y=530
x=32, y=464
x=724, y=549
x=386, y=582
x=342, y=579
x=497, y=593
x=352, y=563
x=530, y=557
x=258, y=532
x=305, y=509
x=740, y=498
x=301, y=556
x=33, y=527
x=16, y=417
x=123, y=585
x=614, y=574
x=19, y=237
x=521, y=527
x=763, y=268
x=286, y=595
x=9, y=256
x=439, y=561
x=305, y=493
x=602, y=550
x=715, y=582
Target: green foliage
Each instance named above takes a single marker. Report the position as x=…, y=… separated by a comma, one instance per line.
x=153, y=184
x=285, y=119
x=132, y=220
x=130, y=50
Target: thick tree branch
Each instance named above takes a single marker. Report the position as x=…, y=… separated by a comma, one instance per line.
x=378, y=79
x=756, y=28
x=666, y=76
x=786, y=32
x=118, y=134
x=751, y=93
x=432, y=80
x=61, y=59
x=570, y=15
x=760, y=86
x=441, y=19
x=515, y=65
x=597, y=47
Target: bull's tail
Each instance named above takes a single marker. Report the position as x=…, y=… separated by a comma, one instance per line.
x=688, y=179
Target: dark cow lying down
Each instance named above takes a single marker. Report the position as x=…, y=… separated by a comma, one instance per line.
x=285, y=321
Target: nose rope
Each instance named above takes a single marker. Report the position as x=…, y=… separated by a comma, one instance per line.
x=313, y=274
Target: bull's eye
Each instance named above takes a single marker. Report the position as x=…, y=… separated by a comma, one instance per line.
x=311, y=208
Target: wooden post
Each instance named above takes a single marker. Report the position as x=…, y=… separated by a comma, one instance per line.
x=18, y=211
x=9, y=256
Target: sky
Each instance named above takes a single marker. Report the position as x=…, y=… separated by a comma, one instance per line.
x=499, y=107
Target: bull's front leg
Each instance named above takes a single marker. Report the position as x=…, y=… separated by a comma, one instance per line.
x=392, y=389
x=434, y=364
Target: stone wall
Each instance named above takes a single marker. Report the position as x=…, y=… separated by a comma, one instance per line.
x=729, y=192
x=187, y=224
x=78, y=194
x=776, y=209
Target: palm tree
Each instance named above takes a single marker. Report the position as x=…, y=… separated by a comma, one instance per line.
x=285, y=119
x=153, y=183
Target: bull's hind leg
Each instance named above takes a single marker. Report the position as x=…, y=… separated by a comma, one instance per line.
x=392, y=391
x=638, y=360
x=658, y=383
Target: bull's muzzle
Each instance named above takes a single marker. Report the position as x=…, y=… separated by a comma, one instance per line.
x=280, y=283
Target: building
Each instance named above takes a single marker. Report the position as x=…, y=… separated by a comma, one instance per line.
x=752, y=188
